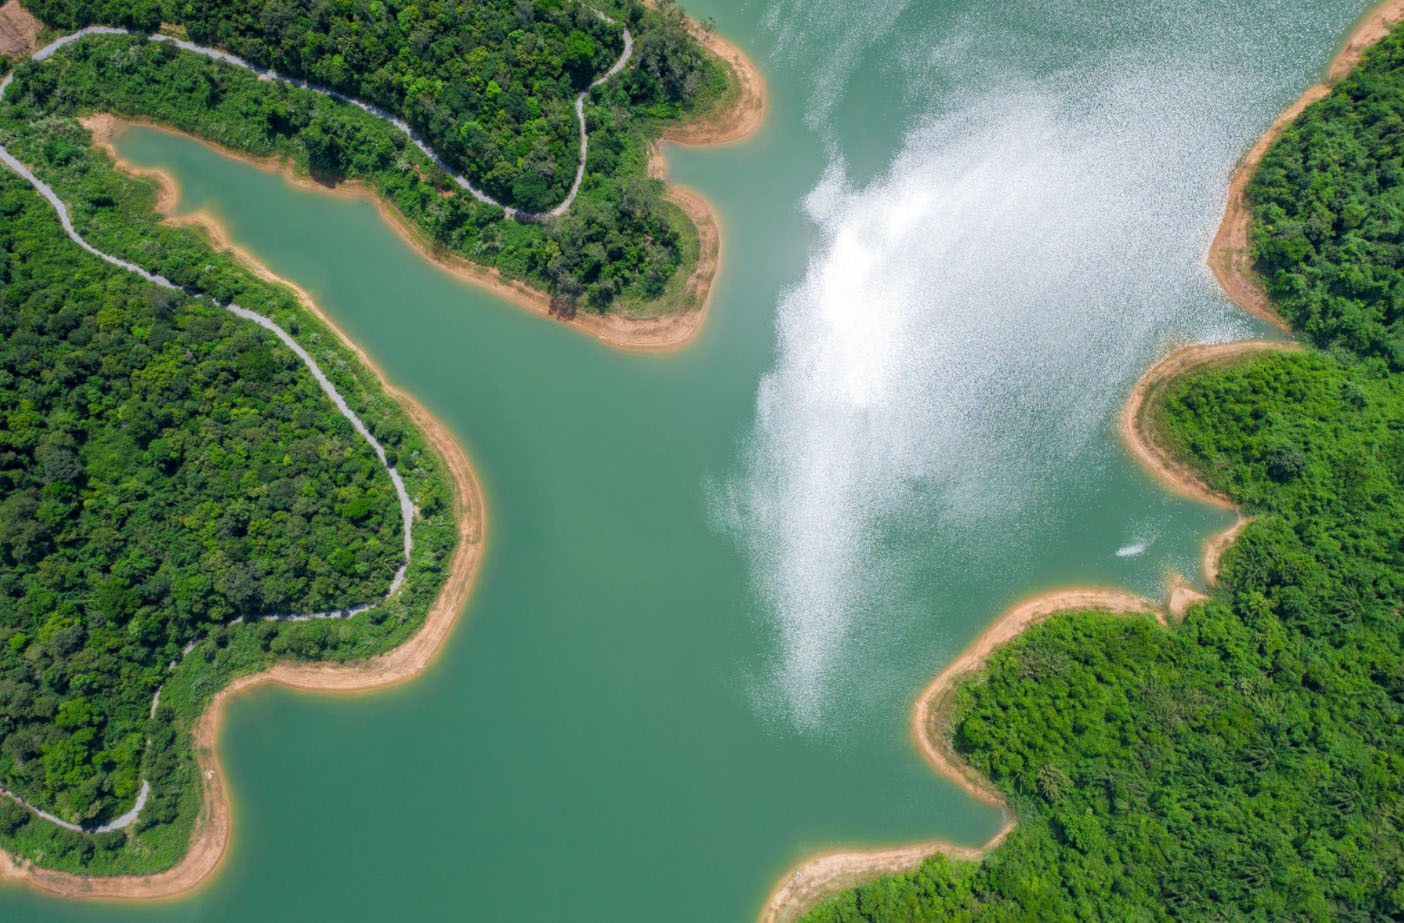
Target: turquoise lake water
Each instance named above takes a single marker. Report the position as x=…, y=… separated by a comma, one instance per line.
x=715, y=580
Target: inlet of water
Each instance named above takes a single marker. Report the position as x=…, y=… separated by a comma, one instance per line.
x=715, y=580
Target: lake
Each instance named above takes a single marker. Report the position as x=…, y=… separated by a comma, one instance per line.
x=716, y=579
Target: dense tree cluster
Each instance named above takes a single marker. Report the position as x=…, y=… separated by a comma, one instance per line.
x=490, y=85
x=1245, y=764
x=164, y=467
x=620, y=245
x=167, y=468
x=1328, y=235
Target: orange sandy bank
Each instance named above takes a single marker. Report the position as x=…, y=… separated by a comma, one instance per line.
x=212, y=827
x=622, y=332
x=1229, y=255
x=1171, y=471
x=742, y=118
x=821, y=877
x=818, y=878
x=663, y=332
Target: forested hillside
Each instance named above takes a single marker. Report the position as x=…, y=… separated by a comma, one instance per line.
x=490, y=86
x=167, y=470
x=166, y=467
x=1328, y=234
x=1245, y=764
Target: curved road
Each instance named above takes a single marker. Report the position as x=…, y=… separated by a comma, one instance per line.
x=265, y=73
x=407, y=509
x=406, y=506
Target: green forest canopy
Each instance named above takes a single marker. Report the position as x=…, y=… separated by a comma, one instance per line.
x=1328, y=206
x=1247, y=763
x=488, y=85
x=168, y=469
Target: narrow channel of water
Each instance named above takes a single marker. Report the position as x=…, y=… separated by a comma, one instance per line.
x=715, y=580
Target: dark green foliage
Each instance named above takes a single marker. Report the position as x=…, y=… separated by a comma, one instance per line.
x=167, y=467
x=1246, y=764
x=490, y=85
x=490, y=89
x=1328, y=208
x=939, y=890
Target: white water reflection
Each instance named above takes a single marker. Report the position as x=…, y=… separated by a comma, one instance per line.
x=972, y=318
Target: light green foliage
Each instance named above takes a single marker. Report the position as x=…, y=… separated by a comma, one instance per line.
x=490, y=86
x=166, y=468
x=1246, y=764
x=1328, y=215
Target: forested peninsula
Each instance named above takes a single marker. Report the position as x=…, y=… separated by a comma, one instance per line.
x=197, y=495
x=1243, y=762
x=490, y=88
x=204, y=479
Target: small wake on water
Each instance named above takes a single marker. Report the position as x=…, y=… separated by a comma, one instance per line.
x=967, y=326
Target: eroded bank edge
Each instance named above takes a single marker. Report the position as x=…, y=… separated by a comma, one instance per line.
x=821, y=877
x=1229, y=254
x=212, y=826
x=663, y=333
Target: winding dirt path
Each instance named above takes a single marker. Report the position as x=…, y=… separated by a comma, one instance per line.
x=630, y=333
x=266, y=73
x=212, y=826
x=1229, y=254
x=819, y=878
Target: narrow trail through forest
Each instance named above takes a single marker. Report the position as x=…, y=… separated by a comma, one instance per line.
x=265, y=73
x=819, y=878
x=747, y=122
x=407, y=509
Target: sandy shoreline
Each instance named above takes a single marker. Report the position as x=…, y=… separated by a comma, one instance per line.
x=212, y=827
x=1171, y=471
x=818, y=878
x=641, y=334
x=740, y=120
x=618, y=331
x=1229, y=256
